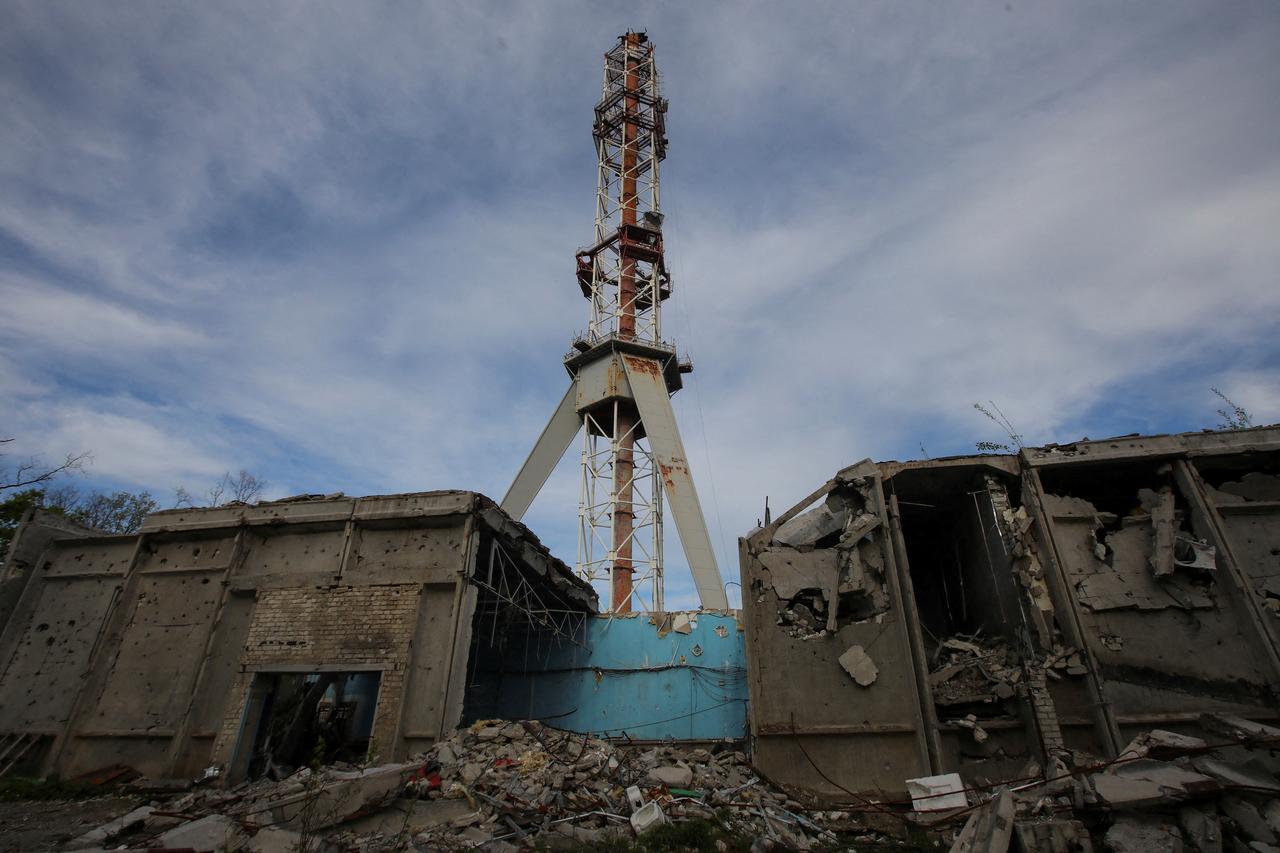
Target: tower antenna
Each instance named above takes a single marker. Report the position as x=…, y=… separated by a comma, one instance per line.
x=622, y=373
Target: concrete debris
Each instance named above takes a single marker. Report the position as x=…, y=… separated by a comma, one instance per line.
x=1254, y=486
x=211, y=832
x=518, y=786
x=975, y=671
x=824, y=566
x=989, y=829
x=970, y=722
x=672, y=777
x=1053, y=836
x=935, y=793
x=1171, y=780
x=1247, y=819
x=810, y=527
x=859, y=665
x=109, y=832
x=1027, y=568
x=1134, y=834
x=535, y=787
x=1159, y=743
x=1202, y=828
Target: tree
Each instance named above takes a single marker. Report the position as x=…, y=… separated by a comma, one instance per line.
x=110, y=512
x=11, y=512
x=32, y=472
x=115, y=512
x=244, y=487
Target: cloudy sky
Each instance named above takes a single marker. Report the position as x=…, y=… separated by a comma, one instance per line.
x=333, y=243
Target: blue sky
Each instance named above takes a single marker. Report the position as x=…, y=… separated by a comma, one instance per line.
x=333, y=243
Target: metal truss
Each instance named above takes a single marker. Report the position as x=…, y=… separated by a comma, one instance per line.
x=600, y=502
x=632, y=455
x=630, y=135
x=516, y=602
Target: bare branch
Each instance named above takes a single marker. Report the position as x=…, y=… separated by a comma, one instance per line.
x=1234, y=416
x=31, y=471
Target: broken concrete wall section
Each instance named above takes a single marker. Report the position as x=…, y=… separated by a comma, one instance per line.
x=985, y=615
x=238, y=637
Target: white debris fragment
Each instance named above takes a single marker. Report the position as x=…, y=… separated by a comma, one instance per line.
x=859, y=665
x=934, y=793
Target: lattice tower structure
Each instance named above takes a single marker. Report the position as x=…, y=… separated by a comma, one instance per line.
x=623, y=373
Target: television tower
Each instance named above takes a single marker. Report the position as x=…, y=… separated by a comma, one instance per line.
x=622, y=373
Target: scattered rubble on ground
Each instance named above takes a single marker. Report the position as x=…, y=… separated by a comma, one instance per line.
x=509, y=786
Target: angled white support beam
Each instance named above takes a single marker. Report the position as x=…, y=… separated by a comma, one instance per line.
x=650, y=393
x=554, y=441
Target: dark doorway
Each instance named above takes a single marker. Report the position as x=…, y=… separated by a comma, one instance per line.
x=305, y=718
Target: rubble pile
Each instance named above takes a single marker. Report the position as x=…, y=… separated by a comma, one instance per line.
x=1166, y=791
x=973, y=670
x=511, y=786
x=969, y=670
x=496, y=785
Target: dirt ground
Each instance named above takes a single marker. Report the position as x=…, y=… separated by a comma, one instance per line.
x=38, y=825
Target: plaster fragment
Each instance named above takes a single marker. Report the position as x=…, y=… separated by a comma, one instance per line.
x=859, y=665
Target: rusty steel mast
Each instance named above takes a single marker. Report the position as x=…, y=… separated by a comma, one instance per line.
x=622, y=372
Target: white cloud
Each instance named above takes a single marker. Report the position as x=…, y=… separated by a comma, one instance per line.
x=337, y=248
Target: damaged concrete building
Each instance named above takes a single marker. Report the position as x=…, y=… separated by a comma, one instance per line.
x=242, y=636
x=986, y=614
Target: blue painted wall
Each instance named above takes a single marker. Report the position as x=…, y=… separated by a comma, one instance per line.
x=628, y=680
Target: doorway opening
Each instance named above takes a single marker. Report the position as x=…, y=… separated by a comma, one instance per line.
x=298, y=719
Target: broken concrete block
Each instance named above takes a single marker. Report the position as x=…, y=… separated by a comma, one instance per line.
x=792, y=571
x=1238, y=728
x=859, y=665
x=933, y=793
x=338, y=797
x=970, y=722
x=1133, y=834
x=1161, y=744
x=1175, y=783
x=989, y=829
x=108, y=832
x=1271, y=814
x=1121, y=793
x=1236, y=776
x=1248, y=819
x=212, y=832
x=273, y=839
x=1202, y=827
x=1058, y=836
x=681, y=624
x=672, y=777
x=808, y=527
